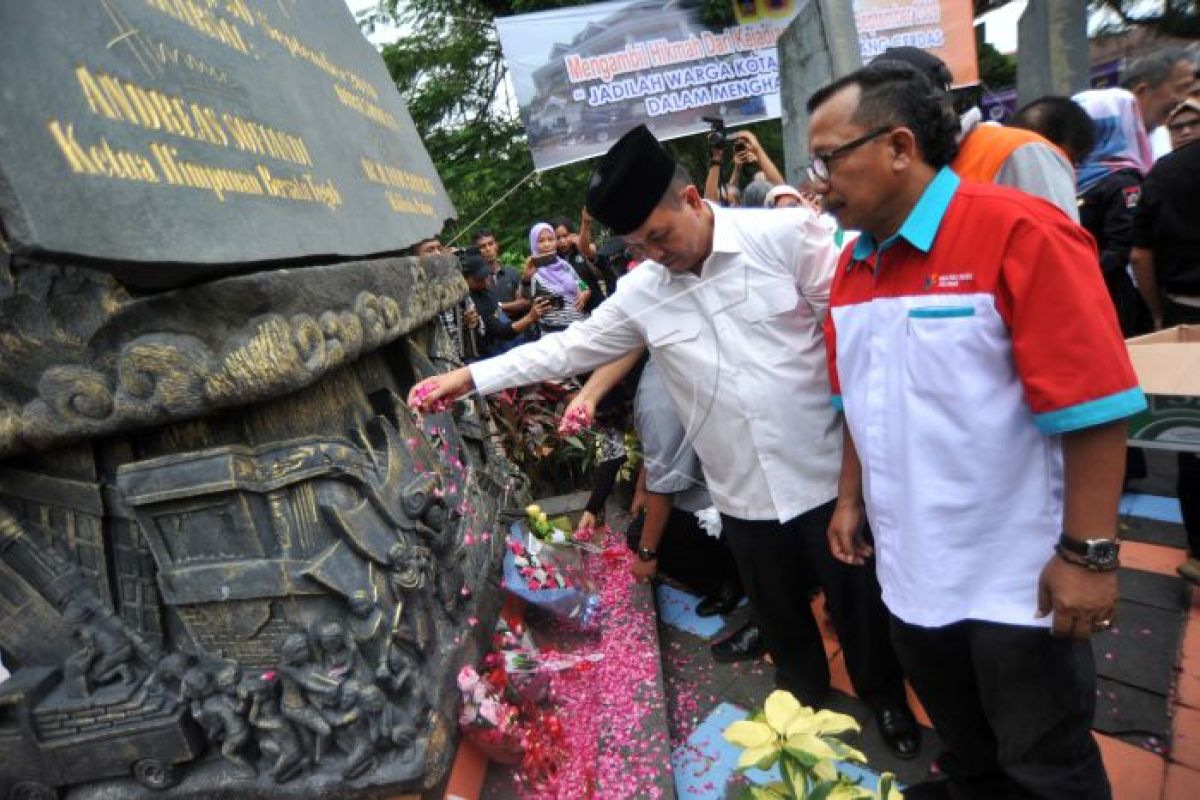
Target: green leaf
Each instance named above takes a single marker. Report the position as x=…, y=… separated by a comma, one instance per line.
x=826, y=771
x=843, y=751
x=820, y=791
x=810, y=746
x=759, y=757
x=804, y=758
x=766, y=793
x=747, y=734
x=850, y=791
x=796, y=776
x=822, y=723
x=887, y=787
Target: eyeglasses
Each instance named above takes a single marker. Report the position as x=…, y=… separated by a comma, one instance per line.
x=818, y=167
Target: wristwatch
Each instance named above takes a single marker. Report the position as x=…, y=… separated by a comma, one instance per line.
x=646, y=554
x=1098, y=555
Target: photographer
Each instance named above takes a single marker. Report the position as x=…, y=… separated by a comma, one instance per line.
x=576, y=249
x=491, y=330
x=747, y=153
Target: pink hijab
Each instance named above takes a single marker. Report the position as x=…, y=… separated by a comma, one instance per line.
x=1121, y=140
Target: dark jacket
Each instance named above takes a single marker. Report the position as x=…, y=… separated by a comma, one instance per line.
x=1107, y=211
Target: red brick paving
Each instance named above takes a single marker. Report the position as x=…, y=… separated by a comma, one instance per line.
x=1136, y=774
x=1183, y=783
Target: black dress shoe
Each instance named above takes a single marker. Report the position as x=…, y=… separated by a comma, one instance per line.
x=744, y=644
x=719, y=604
x=899, y=730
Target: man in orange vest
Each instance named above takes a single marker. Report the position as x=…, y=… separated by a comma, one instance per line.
x=988, y=153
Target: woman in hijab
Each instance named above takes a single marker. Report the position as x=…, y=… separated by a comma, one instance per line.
x=1108, y=183
x=555, y=279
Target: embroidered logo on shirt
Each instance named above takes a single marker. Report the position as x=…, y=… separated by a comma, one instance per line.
x=955, y=281
x=1132, y=194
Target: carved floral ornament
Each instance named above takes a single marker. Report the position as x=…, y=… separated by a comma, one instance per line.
x=163, y=377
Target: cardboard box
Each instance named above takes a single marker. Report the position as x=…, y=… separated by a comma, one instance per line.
x=1168, y=368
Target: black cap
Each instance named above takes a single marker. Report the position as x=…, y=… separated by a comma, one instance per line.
x=474, y=266
x=923, y=61
x=629, y=181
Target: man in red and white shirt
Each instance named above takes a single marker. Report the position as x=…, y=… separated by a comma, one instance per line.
x=984, y=384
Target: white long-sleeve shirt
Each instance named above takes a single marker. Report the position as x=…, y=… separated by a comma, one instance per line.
x=742, y=353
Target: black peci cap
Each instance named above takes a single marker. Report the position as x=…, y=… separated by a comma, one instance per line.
x=629, y=181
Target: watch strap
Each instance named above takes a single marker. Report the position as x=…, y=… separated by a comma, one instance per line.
x=1072, y=545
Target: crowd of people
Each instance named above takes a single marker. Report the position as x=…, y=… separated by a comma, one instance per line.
x=905, y=386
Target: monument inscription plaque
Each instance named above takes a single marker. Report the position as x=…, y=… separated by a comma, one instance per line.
x=169, y=140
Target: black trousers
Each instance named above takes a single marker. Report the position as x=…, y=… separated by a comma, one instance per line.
x=1188, y=486
x=604, y=478
x=1014, y=706
x=689, y=555
x=780, y=564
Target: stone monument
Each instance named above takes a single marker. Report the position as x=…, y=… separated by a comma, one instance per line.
x=820, y=44
x=232, y=562
x=1053, y=40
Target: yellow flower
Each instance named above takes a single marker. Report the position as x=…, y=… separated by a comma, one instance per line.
x=821, y=723
x=805, y=734
x=533, y=509
x=762, y=741
x=780, y=709
x=760, y=744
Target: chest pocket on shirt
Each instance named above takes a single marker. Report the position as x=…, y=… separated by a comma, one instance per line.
x=767, y=301
x=668, y=329
x=945, y=346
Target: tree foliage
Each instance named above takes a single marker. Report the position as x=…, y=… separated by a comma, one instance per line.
x=996, y=70
x=449, y=68
x=1180, y=18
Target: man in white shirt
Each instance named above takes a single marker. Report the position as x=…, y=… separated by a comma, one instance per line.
x=731, y=304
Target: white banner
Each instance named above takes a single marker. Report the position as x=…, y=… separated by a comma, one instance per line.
x=587, y=74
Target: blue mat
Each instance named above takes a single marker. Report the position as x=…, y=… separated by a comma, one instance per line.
x=704, y=764
x=678, y=608
x=1149, y=506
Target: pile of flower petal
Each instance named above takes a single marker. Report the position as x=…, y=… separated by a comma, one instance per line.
x=610, y=698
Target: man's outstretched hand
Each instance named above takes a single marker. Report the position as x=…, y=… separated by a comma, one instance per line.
x=579, y=415
x=437, y=393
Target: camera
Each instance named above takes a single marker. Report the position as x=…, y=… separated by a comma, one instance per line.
x=716, y=136
x=555, y=300
x=463, y=253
